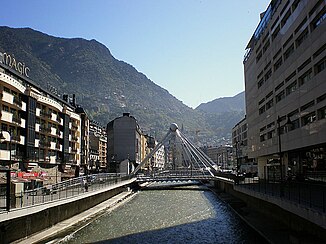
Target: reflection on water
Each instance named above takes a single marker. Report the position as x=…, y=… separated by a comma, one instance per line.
x=168, y=216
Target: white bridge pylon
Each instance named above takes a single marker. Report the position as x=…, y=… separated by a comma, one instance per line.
x=190, y=158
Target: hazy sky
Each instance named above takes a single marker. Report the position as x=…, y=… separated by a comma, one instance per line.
x=192, y=48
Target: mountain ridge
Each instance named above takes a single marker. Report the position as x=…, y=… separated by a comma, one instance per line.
x=107, y=87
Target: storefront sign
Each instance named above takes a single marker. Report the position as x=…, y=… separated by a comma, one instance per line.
x=27, y=174
x=10, y=61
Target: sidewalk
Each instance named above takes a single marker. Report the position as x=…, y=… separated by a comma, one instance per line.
x=59, y=230
x=270, y=229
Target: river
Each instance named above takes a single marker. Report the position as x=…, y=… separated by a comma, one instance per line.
x=190, y=214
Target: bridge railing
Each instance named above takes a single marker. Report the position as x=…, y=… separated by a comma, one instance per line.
x=306, y=193
x=61, y=190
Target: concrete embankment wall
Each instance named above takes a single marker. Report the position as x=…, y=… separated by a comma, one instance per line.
x=32, y=221
x=290, y=216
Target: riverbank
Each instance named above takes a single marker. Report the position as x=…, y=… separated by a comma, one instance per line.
x=270, y=229
x=71, y=225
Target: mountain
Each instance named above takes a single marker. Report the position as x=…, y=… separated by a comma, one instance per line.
x=224, y=104
x=107, y=87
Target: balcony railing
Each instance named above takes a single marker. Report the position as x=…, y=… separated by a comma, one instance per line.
x=46, y=114
x=16, y=119
x=18, y=101
x=44, y=144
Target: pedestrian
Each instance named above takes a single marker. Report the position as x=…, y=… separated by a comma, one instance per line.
x=86, y=185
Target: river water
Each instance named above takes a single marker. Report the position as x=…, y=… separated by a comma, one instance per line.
x=190, y=214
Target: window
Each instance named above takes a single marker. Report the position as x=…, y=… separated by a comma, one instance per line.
x=313, y=10
x=300, y=25
x=284, y=8
x=275, y=33
x=305, y=77
x=5, y=108
x=321, y=113
x=287, y=79
x=266, y=46
x=262, y=137
x=262, y=110
x=279, y=86
x=320, y=20
x=321, y=98
x=309, y=118
x=280, y=96
x=294, y=112
x=259, y=55
x=268, y=74
x=319, y=51
x=275, y=23
x=303, y=36
x=295, y=124
x=278, y=63
x=6, y=89
x=261, y=101
x=269, y=94
x=288, y=52
x=304, y=64
x=308, y=105
x=291, y=88
x=271, y=134
x=267, y=65
x=269, y=104
x=278, y=53
x=288, y=41
x=320, y=66
x=270, y=125
x=295, y=4
x=286, y=17
x=261, y=82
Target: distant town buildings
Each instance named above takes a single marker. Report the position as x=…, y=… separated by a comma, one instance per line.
x=286, y=91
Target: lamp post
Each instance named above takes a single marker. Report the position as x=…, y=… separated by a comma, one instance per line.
x=288, y=123
x=238, y=144
x=7, y=170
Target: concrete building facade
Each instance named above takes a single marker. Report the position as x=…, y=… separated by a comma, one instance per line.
x=123, y=140
x=286, y=89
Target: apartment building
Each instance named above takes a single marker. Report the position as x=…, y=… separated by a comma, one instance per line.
x=97, y=147
x=243, y=163
x=40, y=132
x=286, y=89
x=123, y=141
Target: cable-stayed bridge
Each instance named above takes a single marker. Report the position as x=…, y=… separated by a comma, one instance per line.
x=183, y=161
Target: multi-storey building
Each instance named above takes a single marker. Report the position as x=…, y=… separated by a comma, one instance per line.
x=221, y=155
x=244, y=164
x=123, y=141
x=286, y=89
x=97, y=147
x=39, y=131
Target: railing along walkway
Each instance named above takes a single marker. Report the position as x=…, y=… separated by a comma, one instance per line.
x=60, y=191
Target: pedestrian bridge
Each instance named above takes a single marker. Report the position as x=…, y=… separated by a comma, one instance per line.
x=183, y=161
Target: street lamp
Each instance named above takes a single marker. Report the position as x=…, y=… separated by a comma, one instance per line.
x=288, y=123
x=238, y=143
x=7, y=171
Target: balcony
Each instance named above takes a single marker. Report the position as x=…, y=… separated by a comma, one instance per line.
x=45, y=114
x=74, y=127
x=44, y=144
x=16, y=119
x=74, y=138
x=18, y=102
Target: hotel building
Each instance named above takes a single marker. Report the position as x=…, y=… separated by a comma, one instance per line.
x=286, y=90
x=40, y=132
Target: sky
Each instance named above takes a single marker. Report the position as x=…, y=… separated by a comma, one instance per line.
x=192, y=48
